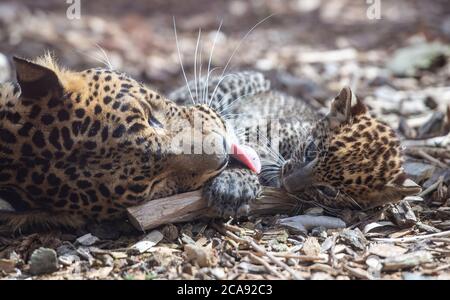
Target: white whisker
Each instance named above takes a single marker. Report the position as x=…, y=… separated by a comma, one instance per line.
x=218, y=83
x=195, y=62
x=107, y=60
x=179, y=57
x=237, y=48
x=96, y=58
x=200, y=73
x=243, y=39
x=269, y=147
x=209, y=62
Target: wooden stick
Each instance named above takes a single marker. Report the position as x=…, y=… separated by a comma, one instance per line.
x=414, y=238
x=432, y=159
x=178, y=208
x=191, y=206
x=301, y=258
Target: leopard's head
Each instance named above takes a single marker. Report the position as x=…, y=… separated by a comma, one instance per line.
x=96, y=141
x=352, y=153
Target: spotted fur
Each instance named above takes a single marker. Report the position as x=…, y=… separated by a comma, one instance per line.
x=356, y=158
x=77, y=146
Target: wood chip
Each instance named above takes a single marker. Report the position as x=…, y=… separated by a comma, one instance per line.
x=311, y=247
x=203, y=256
x=386, y=250
x=148, y=241
x=406, y=261
x=7, y=265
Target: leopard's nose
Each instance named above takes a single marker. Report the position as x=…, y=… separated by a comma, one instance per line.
x=296, y=177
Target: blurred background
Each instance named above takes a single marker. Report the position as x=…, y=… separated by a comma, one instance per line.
x=309, y=48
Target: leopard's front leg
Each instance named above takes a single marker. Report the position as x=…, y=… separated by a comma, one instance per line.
x=231, y=192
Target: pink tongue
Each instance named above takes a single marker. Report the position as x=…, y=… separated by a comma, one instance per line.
x=247, y=156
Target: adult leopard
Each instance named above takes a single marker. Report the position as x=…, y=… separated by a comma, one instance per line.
x=78, y=146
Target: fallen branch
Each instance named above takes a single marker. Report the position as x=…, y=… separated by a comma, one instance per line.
x=440, y=141
x=432, y=159
x=442, y=153
x=190, y=206
x=413, y=238
x=301, y=258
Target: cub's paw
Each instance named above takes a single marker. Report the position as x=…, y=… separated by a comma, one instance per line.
x=231, y=192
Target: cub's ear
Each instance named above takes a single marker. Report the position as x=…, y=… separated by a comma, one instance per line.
x=402, y=186
x=344, y=107
x=36, y=81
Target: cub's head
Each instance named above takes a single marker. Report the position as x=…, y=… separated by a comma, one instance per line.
x=352, y=153
x=111, y=139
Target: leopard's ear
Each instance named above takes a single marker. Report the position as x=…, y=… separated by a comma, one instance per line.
x=36, y=81
x=344, y=107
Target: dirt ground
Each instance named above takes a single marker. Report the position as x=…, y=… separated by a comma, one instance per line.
x=309, y=49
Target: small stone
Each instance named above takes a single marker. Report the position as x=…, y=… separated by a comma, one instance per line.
x=66, y=249
x=319, y=232
x=87, y=240
x=68, y=259
x=43, y=261
x=291, y=262
x=85, y=254
x=354, y=238
x=401, y=214
x=107, y=260
x=433, y=126
x=374, y=263
x=431, y=103
x=170, y=232
x=417, y=171
x=314, y=211
x=327, y=244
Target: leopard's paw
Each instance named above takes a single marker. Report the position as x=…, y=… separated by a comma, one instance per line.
x=231, y=192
